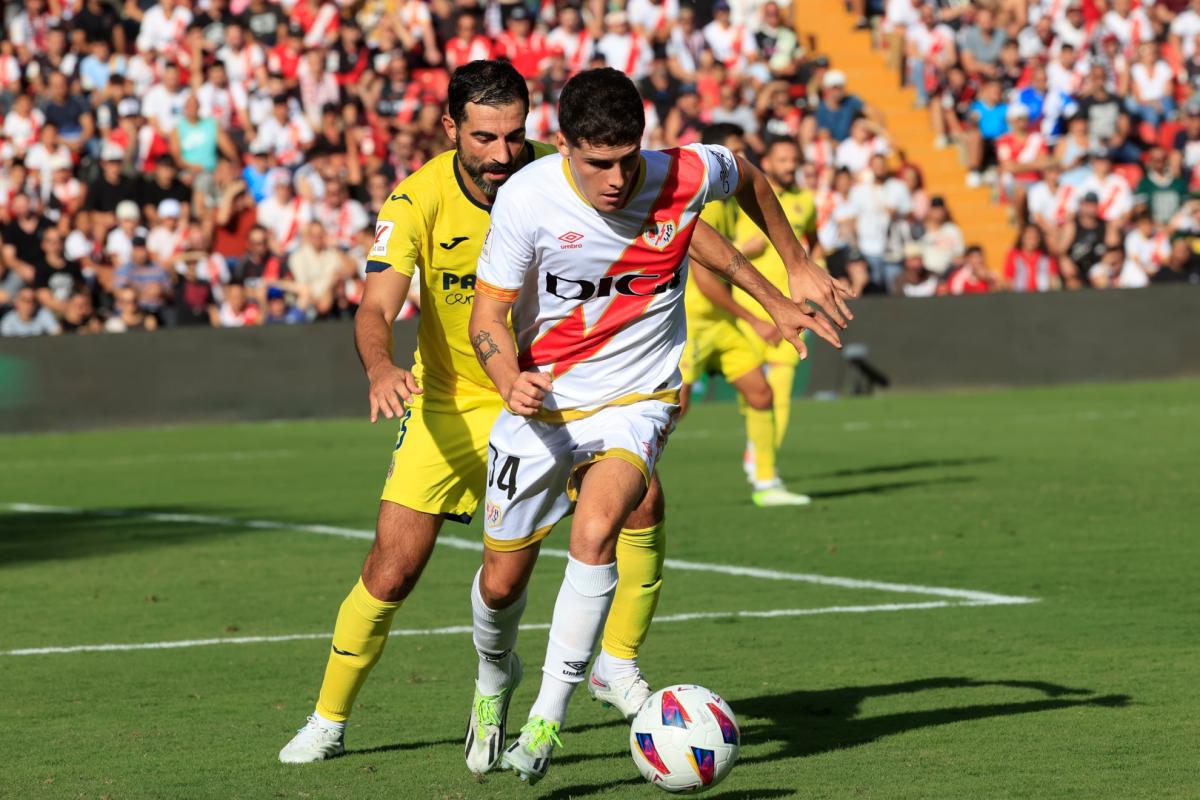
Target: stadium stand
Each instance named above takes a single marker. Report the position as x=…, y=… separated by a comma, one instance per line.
x=220, y=162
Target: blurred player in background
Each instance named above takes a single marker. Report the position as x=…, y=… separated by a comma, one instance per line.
x=716, y=343
x=586, y=253
x=779, y=163
x=434, y=221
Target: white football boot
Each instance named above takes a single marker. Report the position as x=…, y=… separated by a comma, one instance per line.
x=774, y=494
x=627, y=695
x=529, y=755
x=316, y=741
x=489, y=717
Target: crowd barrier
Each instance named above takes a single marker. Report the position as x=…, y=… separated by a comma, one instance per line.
x=287, y=372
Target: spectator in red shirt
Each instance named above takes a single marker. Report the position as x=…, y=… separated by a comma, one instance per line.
x=1022, y=154
x=1029, y=266
x=520, y=44
x=973, y=277
x=468, y=43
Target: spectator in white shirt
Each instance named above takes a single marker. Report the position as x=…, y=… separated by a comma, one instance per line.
x=1152, y=82
x=163, y=104
x=163, y=27
x=873, y=204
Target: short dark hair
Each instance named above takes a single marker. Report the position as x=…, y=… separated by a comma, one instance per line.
x=774, y=141
x=601, y=107
x=720, y=133
x=973, y=249
x=485, y=83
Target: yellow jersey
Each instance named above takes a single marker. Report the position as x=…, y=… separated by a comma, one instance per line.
x=723, y=216
x=800, y=208
x=430, y=223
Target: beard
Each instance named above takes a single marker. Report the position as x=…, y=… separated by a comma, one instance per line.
x=475, y=171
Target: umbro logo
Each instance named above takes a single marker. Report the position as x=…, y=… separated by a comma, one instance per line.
x=396, y=197
x=570, y=240
x=574, y=667
x=341, y=652
x=453, y=243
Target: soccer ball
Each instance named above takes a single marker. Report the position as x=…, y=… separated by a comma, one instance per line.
x=685, y=739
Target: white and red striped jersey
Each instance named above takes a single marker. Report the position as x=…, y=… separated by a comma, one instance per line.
x=288, y=140
x=1052, y=206
x=161, y=32
x=284, y=220
x=598, y=297
x=343, y=222
x=1116, y=197
x=730, y=44
x=460, y=52
x=22, y=131
x=225, y=104
x=651, y=18
x=242, y=65
x=576, y=46
x=1130, y=30
x=630, y=53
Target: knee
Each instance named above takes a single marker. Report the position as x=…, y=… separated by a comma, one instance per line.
x=499, y=590
x=594, y=540
x=389, y=578
x=651, y=510
x=760, y=398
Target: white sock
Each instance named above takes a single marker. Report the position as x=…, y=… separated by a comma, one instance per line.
x=328, y=723
x=495, y=635
x=609, y=668
x=579, y=613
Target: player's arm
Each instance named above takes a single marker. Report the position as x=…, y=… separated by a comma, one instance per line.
x=390, y=386
x=523, y=392
x=718, y=293
x=712, y=252
x=391, y=263
x=806, y=280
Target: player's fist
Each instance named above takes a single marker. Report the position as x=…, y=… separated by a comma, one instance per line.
x=808, y=282
x=391, y=387
x=527, y=393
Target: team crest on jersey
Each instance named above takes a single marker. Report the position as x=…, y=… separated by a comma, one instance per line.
x=383, y=232
x=660, y=233
x=492, y=514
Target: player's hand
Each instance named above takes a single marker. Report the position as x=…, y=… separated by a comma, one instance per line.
x=527, y=393
x=793, y=320
x=811, y=283
x=391, y=388
x=766, y=331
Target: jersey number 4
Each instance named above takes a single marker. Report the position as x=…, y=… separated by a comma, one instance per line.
x=504, y=478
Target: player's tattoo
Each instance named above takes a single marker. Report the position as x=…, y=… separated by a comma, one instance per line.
x=735, y=265
x=480, y=341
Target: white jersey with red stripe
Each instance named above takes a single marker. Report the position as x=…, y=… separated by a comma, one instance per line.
x=598, y=296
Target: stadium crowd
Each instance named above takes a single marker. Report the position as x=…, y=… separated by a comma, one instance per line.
x=221, y=162
x=1085, y=117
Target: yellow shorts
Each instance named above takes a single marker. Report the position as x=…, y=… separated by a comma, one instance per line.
x=439, y=465
x=718, y=346
x=782, y=353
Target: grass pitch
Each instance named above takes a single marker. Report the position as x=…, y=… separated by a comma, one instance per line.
x=1084, y=498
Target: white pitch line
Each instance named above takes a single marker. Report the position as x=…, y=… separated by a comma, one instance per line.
x=153, y=458
x=974, y=597
x=465, y=629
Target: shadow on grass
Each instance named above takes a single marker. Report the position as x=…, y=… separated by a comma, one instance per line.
x=49, y=536
x=884, y=488
x=807, y=723
x=907, y=466
x=811, y=722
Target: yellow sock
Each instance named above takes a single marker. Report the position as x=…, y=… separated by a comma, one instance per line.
x=760, y=432
x=359, y=635
x=640, y=555
x=780, y=377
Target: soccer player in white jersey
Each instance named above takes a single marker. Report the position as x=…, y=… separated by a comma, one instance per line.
x=588, y=252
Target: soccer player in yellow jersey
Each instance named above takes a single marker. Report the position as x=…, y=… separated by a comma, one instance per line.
x=716, y=343
x=779, y=162
x=435, y=220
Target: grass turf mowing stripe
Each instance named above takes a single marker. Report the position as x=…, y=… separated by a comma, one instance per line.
x=973, y=597
x=465, y=629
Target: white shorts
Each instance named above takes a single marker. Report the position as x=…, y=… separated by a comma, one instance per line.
x=532, y=465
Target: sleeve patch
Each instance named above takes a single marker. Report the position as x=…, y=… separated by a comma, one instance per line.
x=383, y=233
x=378, y=266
